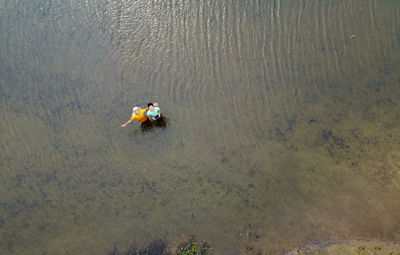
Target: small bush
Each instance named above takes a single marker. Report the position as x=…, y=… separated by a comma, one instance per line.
x=193, y=248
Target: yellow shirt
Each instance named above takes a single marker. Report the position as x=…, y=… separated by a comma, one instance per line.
x=140, y=118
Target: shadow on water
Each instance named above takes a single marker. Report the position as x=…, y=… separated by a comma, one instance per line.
x=149, y=126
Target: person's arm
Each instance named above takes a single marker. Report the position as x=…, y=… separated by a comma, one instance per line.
x=129, y=121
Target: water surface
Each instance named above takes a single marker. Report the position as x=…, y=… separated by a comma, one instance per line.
x=283, y=129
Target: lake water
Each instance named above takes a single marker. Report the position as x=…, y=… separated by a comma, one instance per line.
x=283, y=128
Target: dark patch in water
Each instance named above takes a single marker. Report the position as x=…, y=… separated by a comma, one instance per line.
x=291, y=123
x=251, y=172
x=328, y=137
x=326, y=134
x=297, y=90
x=158, y=247
x=19, y=179
x=278, y=134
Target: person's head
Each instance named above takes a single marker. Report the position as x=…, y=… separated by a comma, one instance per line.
x=136, y=110
x=151, y=107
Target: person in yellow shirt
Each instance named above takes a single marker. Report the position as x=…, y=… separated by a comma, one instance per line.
x=140, y=116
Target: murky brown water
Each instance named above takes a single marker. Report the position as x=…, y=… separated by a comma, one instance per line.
x=282, y=128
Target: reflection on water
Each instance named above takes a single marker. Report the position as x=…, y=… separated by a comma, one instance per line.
x=282, y=127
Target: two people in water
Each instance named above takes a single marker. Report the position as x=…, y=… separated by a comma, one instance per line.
x=145, y=116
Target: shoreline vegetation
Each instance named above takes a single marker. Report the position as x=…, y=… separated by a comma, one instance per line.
x=160, y=247
x=349, y=247
x=190, y=246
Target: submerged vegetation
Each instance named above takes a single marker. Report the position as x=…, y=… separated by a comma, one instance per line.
x=160, y=247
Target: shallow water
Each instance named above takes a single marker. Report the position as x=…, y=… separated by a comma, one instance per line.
x=282, y=129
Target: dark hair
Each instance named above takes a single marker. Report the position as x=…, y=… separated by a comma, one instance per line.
x=149, y=104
